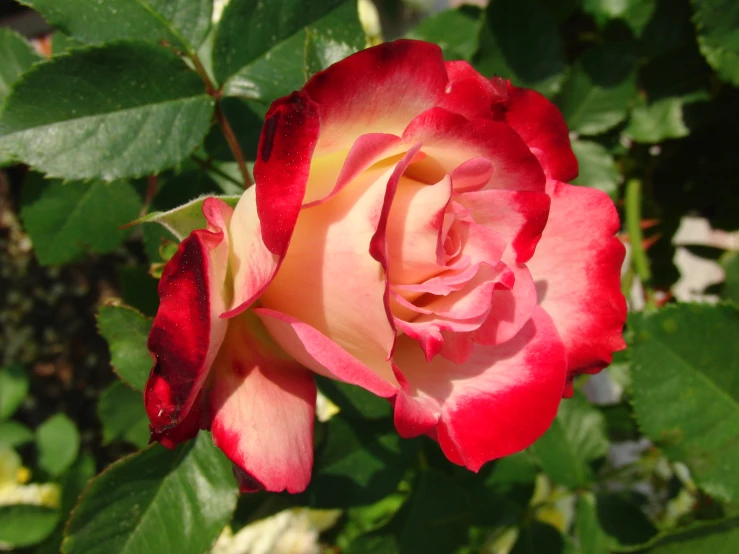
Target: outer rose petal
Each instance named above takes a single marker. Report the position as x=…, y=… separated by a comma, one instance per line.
x=469, y=93
x=187, y=331
x=497, y=403
x=263, y=406
x=576, y=268
x=282, y=166
x=378, y=90
x=253, y=266
x=541, y=125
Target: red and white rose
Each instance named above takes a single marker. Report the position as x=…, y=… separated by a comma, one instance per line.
x=411, y=232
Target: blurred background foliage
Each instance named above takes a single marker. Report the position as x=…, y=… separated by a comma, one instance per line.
x=644, y=458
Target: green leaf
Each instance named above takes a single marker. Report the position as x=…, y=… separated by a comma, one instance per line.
x=660, y=120
x=100, y=113
x=434, y=520
x=576, y=437
x=599, y=90
x=685, y=393
x=590, y=537
x=122, y=414
x=730, y=264
x=539, y=538
x=718, y=35
x=58, y=443
x=156, y=500
x=185, y=219
x=354, y=401
x=13, y=389
x=14, y=434
x=249, y=29
x=597, y=167
x=138, y=288
x=720, y=537
x=16, y=56
x=68, y=220
x=623, y=520
x=125, y=330
x=636, y=13
x=519, y=40
x=26, y=524
x=455, y=31
x=359, y=462
x=185, y=23
x=330, y=31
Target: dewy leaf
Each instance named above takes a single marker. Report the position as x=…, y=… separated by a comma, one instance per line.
x=122, y=415
x=455, y=31
x=25, y=525
x=66, y=220
x=330, y=31
x=157, y=500
x=597, y=167
x=119, y=110
x=184, y=219
x=16, y=56
x=58, y=443
x=576, y=437
x=13, y=389
x=519, y=40
x=125, y=331
x=718, y=35
x=599, y=90
x=184, y=23
x=685, y=361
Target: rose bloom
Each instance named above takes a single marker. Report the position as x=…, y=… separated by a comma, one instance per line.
x=410, y=232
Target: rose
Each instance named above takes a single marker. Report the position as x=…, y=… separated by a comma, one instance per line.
x=410, y=232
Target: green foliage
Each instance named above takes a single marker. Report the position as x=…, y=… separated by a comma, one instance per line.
x=26, y=524
x=58, y=443
x=686, y=396
x=67, y=220
x=13, y=389
x=718, y=35
x=121, y=412
x=157, y=500
x=125, y=330
x=96, y=114
x=17, y=57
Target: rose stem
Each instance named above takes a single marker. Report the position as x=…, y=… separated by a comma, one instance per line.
x=639, y=258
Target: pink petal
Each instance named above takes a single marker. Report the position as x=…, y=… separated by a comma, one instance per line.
x=253, y=266
x=497, y=403
x=520, y=216
x=328, y=175
x=541, y=125
x=262, y=405
x=469, y=93
x=377, y=90
x=577, y=269
x=187, y=332
x=450, y=140
x=319, y=353
x=286, y=145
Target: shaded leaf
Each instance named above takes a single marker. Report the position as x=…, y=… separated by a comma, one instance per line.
x=68, y=220
x=125, y=330
x=597, y=167
x=455, y=31
x=718, y=35
x=16, y=56
x=183, y=220
x=122, y=414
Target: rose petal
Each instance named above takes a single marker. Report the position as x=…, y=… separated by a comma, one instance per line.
x=469, y=93
x=499, y=402
x=450, y=139
x=253, y=266
x=263, y=406
x=377, y=90
x=319, y=353
x=541, y=125
x=576, y=268
x=187, y=332
x=286, y=145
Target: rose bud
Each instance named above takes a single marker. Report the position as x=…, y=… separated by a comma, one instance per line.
x=410, y=232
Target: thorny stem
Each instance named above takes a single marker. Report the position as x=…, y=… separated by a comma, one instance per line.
x=208, y=166
x=228, y=133
x=639, y=259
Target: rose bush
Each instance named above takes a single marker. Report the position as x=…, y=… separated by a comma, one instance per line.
x=411, y=232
